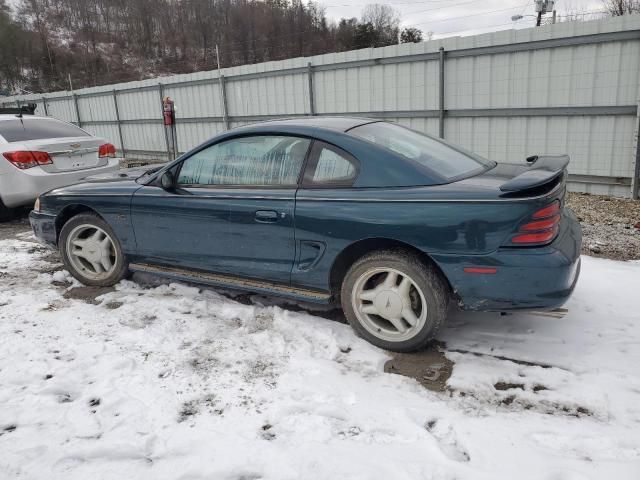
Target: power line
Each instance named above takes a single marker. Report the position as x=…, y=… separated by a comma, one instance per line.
x=444, y=6
x=391, y=4
x=468, y=16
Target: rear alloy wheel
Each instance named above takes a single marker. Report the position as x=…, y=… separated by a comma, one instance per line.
x=394, y=301
x=91, y=251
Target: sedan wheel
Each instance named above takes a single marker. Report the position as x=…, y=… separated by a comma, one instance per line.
x=394, y=300
x=91, y=251
x=389, y=304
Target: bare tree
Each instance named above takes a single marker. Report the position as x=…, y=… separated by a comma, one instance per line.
x=616, y=8
x=411, y=35
x=385, y=21
x=42, y=42
x=381, y=16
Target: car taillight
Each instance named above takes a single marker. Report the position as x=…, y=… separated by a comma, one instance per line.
x=548, y=211
x=24, y=159
x=542, y=228
x=107, y=150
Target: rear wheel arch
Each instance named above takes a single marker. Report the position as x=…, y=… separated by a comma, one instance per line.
x=355, y=251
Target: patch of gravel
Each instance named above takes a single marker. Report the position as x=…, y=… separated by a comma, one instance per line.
x=610, y=226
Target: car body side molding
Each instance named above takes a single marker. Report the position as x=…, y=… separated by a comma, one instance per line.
x=229, y=281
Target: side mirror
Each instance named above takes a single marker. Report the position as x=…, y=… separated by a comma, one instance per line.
x=167, y=180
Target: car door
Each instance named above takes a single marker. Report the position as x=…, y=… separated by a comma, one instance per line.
x=324, y=223
x=231, y=210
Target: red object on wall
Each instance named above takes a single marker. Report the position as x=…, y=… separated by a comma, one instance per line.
x=168, y=111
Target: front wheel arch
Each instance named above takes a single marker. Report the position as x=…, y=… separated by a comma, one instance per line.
x=70, y=211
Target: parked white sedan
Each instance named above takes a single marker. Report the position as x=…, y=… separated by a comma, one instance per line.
x=38, y=154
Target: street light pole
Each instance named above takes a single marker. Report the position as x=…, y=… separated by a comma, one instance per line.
x=542, y=7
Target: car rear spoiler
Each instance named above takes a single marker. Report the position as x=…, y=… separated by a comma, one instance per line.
x=543, y=169
x=28, y=109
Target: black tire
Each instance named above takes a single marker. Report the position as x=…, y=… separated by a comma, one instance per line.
x=6, y=213
x=120, y=265
x=426, y=278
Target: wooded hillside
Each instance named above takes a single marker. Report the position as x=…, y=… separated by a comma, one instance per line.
x=46, y=44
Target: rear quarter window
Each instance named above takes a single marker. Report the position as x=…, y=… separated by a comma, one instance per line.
x=24, y=129
x=445, y=160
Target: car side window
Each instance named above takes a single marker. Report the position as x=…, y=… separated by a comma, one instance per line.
x=330, y=166
x=261, y=160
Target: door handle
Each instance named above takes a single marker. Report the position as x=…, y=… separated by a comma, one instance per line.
x=266, y=216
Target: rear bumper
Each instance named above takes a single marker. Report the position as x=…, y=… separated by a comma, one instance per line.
x=44, y=227
x=540, y=278
x=22, y=187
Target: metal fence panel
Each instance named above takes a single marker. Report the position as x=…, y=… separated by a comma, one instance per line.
x=192, y=134
x=94, y=109
x=144, y=104
x=201, y=100
x=62, y=109
x=568, y=88
x=144, y=136
x=286, y=94
x=108, y=132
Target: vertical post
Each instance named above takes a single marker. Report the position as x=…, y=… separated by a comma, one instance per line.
x=44, y=104
x=115, y=104
x=312, y=100
x=164, y=129
x=223, y=92
x=223, y=100
x=635, y=181
x=441, y=91
x=75, y=103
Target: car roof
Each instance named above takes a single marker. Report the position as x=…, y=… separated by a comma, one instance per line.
x=381, y=167
x=341, y=124
x=13, y=116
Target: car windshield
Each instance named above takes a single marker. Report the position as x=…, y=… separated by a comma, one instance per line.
x=438, y=156
x=25, y=128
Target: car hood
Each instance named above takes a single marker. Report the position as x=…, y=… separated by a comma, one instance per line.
x=121, y=182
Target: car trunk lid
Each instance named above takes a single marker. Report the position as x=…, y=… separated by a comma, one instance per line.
x=69, y=153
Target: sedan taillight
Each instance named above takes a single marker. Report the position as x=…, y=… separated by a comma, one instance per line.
x=107, y=150
x=24, y=159
x=542, y=228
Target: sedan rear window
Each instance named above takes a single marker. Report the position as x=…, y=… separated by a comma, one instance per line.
x=25, y=128
x=441, y=158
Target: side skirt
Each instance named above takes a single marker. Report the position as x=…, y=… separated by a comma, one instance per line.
x=236, y=283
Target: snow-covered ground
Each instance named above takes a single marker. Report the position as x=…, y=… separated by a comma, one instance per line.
x=159, y=381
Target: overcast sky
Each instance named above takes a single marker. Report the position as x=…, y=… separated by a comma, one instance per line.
x=459, y=17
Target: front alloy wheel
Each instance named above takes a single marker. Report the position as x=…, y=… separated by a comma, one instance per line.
x=91, y=251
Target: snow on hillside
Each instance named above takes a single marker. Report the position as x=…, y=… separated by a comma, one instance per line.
x=159, y=381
